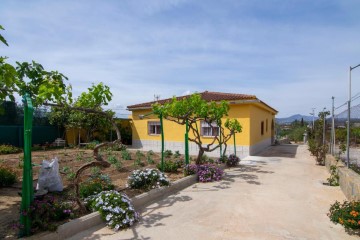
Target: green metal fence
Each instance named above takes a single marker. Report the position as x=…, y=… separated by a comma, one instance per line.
x=14, y=135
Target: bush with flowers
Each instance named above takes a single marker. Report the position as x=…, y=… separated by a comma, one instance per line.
x=232, y=160
x=115, y=208
x=147, y=179
x=209, y=173
x=190, y=169
x=45, y=212
x=347, y=214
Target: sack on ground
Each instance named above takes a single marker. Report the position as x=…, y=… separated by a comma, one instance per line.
x=49, y=177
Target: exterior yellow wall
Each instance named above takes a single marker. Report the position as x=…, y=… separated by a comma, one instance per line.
x=257, y=115
x=175, y=132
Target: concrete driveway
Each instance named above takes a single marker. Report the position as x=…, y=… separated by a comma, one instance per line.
x=276, y=195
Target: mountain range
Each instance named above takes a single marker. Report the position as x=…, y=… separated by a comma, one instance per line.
x=295, y=117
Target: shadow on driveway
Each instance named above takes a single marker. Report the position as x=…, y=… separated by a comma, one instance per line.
x=283, y=150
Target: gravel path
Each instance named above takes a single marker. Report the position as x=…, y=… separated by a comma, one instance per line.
x=277, y=195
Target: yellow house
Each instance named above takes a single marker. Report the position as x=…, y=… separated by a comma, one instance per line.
x=256, y=118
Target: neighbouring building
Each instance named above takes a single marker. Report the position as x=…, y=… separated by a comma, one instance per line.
x=256, y=118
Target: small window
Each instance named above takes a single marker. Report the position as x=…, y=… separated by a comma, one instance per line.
x=262, y=128
x=266, y=125
x=209, y=130
x=154, y=128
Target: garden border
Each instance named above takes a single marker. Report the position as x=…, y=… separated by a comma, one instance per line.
x=85, y=222
x=348, y=179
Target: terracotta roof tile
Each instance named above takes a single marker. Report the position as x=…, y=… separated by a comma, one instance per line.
x=207, y=96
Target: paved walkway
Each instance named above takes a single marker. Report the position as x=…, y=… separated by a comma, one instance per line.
x=277, y=195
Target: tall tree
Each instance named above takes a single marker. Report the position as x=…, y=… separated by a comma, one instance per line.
x=194, y=110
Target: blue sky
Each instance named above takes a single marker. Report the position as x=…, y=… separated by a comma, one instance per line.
x=292, y=54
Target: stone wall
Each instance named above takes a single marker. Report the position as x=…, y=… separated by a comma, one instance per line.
x=349, y=180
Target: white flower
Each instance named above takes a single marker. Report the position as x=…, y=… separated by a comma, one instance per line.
x=108, y=217
x=117, y=226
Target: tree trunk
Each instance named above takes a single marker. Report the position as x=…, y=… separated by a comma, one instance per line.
x=201, y=153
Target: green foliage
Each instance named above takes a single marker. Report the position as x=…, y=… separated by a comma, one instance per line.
x=139, y=154
x=333, y=180
x=91, y=145
x=138, y=162
x=149, y=157
x=125, y=154
x=79, y=156
x=96, y=183
x=347, y=214
x=177, y=154
x=169, y=166
x=318, y=150
x=7, y=176
x=2, y=39
x=112, y=159
x=147, y=179
x=168, y=153
x=70, y=174
x=8, y=149
x=193, y=109
x=297, y=134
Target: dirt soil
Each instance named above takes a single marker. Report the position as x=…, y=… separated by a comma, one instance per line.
x=70, y=159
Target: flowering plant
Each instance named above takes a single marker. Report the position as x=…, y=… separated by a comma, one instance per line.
x=115, y=208
x=147, y=179
x=190, y=169
x=46, y=211
x=232, y=160
x=209, y=173
x=347, y=214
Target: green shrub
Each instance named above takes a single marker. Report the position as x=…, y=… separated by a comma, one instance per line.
x=138, y=162
x=118, y=147
x=169, y=166
x=95, y=184
x=177, y=154
x=150, y=153
x=91, y=145
x=118, y=165
x=7, y=176
x=125, y=154
x=149, y=159
x=70, y=174
x=139, y=154
x=168, y=153
x=147, y=179
x=347, y=214
x=8, y=149
x=112, y=159
x=333, y=180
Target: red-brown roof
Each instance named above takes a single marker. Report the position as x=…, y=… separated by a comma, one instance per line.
x=207, y=96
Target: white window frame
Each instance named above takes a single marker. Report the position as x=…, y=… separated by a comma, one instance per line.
x=209, y=130
x=154, y=128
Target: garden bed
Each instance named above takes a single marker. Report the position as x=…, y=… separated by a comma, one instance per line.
x=69, y=161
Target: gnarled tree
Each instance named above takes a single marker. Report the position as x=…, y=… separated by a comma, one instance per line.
x=194, y=110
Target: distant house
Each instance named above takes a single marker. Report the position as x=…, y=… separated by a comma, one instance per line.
x=256, y=117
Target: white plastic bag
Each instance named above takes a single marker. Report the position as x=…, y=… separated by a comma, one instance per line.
x=49, y=177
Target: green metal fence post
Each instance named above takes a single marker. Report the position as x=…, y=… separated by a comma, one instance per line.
x=162, y=142
x=27, y=192
x=220, y=140
x=234, y=145
x=187, y=142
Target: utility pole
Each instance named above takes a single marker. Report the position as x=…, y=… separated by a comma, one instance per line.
x=313, y=120
x=324, y=119
x=332, y=139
